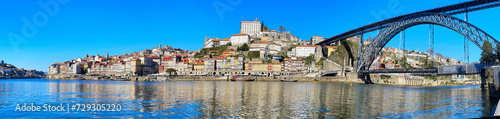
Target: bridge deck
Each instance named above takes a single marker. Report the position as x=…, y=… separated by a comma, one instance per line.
x=429, y=70
x=442, y=70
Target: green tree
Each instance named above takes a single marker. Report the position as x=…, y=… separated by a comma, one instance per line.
x=309, y=59
x=497, y=49
x=170, y=70
x=404, y=64
x=320, y=62
x=487, y=54
x=229, y=44
x=428, y=64
x=244, y=47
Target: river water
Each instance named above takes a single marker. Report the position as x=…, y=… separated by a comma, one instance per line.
x=205, y=99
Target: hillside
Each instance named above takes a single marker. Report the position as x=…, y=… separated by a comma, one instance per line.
x=9, y=71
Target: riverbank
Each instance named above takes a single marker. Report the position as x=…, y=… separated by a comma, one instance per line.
x=418, y=81
x=350, y=78
x=271, y=79
x=210, y=78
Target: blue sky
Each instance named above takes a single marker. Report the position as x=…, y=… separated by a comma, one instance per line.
x=89, y=27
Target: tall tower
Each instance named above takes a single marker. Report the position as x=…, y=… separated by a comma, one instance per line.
x=107, y=55
x=160, y=46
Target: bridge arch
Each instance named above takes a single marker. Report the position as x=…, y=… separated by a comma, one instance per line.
x=471, y=32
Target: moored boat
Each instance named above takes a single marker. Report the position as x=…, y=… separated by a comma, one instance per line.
x=243, y=78
x=286, y=80
x=117, y=78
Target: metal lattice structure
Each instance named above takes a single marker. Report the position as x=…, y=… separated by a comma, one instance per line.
x=471, y=32
x=455, y=9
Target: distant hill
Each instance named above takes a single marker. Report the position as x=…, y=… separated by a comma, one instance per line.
x=9, y=71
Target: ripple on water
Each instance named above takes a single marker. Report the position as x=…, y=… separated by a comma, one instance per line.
x=208, y=99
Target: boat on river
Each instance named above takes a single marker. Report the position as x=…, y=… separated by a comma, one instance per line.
x=287, y=80
x=118, y=78
x=242, y=78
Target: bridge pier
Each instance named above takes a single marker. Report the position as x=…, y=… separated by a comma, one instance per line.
x=492, y=77
x=366, y=78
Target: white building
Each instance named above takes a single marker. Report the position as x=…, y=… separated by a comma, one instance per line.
x=74, y=68
x=118, y=67
x=316, y=39
x=240, y=39
x=252, y=28
x=305, y=50
x=261, y=46
x=55, y=68
x=272, y=33
x=291, y=53
x=220, y=42
x=215, y=42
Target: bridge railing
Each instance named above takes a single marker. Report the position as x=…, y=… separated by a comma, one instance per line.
x=460, y=69
x=424, y=70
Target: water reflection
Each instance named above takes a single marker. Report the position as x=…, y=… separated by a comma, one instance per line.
x=245, y=99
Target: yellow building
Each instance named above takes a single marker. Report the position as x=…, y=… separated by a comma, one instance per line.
x=331, y=49
x=198, y=66
x=134, y=67
x=228, y=53
x=263, y=66
x=63, y=69
x=266, y=38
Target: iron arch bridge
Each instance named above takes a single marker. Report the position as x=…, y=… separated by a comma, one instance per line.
x=471, y=32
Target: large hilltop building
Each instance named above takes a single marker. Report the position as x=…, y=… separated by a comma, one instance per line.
x=252, y=28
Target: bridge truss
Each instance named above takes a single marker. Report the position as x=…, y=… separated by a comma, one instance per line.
x=471, y=32
x=465, y=7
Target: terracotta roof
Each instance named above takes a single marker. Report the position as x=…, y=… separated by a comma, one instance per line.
x=264, y=43
x=307, y=46
x=167, y=58
x=198, y=63
x=259, y=43
x=241, y=34
x=225, y=39
x=154, y=57
x=264, y=63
